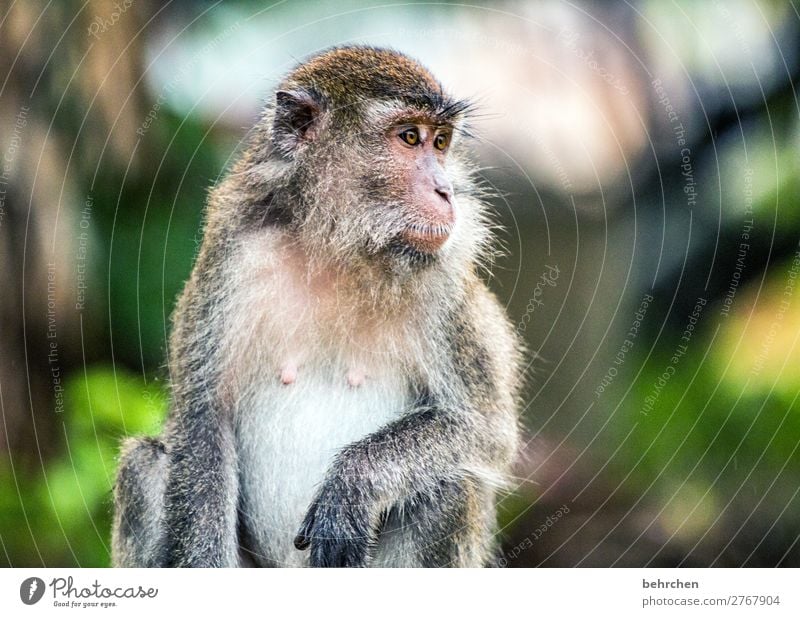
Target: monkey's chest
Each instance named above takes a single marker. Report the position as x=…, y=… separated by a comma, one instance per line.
x=288, y=435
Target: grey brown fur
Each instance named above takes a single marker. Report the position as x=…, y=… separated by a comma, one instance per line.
x=310, y=215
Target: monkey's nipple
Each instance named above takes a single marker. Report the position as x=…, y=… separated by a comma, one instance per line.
x=288, y=374
x=356, y=377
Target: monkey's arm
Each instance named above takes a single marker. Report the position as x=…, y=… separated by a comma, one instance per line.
x=201, y=493
x=410, y=457
x=460, y=431
x=202, y=486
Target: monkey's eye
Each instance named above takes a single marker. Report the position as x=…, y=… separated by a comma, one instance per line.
x=410, y=136
x=441, y=141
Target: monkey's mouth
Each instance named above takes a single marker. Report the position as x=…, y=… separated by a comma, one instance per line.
x=426, y=238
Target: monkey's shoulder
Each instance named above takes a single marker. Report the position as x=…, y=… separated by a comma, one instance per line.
x=480, y=318
x=487, y=350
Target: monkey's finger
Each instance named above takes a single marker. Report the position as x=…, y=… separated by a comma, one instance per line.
x=302, y=542
x=303, y=538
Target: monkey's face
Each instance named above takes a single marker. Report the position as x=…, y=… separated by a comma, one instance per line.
x=417, y=154
x=374, y=158
x=407, y=208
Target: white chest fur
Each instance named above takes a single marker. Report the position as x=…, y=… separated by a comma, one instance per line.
x=307, y=375
x=287, y=437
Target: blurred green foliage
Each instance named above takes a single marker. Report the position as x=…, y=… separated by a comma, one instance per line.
x=63, y=510
x=150, y=230
x=722, y=434
x=145, y=236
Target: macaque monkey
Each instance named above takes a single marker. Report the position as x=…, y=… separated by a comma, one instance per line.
x=344, y=387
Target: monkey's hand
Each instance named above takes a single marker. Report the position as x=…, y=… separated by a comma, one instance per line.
x=341, y=524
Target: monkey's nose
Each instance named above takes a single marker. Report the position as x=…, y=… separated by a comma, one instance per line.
x=445, y=193
x=442, y=205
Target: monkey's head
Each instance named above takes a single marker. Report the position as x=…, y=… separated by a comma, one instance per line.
x=370, y=148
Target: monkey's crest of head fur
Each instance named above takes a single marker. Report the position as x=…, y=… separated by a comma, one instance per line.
x=320, y=164
x=348, y=76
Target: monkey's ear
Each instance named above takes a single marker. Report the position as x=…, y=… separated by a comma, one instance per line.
x=297, y=115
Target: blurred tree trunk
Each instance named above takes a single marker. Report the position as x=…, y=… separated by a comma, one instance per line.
x=70, y=102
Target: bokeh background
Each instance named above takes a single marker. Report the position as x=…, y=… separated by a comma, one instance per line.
x=646, y=154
